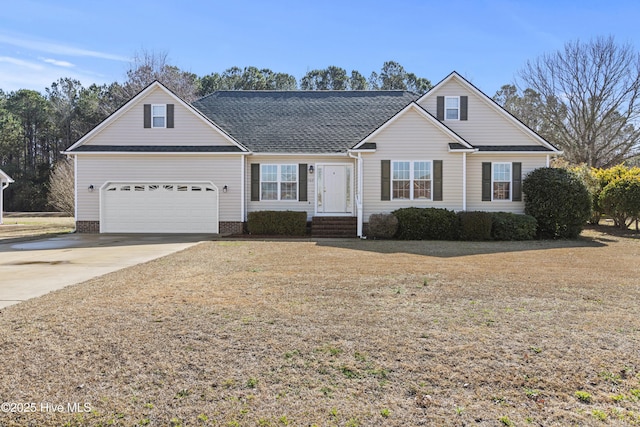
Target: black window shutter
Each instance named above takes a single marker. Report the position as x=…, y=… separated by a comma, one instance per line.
x=255, y=182
x=302, y=182
x=170, y=115
x=516, y=171
x=437, y=180
x=440, y=108
x=386, y=180
x=464, y=102
x=486, y=181
x=147, y=115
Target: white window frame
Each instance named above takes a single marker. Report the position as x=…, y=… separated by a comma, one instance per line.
x=494, y=181
x=447, y=108
x=412, y=179
x=279, y=181
x=163, y=115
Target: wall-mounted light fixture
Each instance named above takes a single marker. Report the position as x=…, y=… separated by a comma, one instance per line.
x=90, y=187
x=224, y=189
x=311, y=169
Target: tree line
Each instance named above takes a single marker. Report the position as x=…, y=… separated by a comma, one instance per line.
x=584, y=98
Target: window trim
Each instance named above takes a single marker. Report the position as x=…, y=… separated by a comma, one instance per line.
x=163, y=115
x=411, y=179
x=446, y=98
x=279, y=182
x=510, y=181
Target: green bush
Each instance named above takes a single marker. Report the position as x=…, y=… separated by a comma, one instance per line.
x=287, y=223
x=382, y=226
x=558, y=200
x=620, y=198
x=426, y=224
x=510, y=226
x=475, y=225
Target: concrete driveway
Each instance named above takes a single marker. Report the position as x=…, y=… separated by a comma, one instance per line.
x=33, y=268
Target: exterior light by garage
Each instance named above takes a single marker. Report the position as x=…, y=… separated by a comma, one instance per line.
x=90, y=187
x=224, y=189
x=311, y=169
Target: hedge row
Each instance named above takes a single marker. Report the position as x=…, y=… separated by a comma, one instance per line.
x=443, y=224
x=287, y=223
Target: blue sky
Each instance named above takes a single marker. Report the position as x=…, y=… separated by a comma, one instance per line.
x=487, y=41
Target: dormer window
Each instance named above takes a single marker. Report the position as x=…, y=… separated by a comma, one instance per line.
x=452, y=108
x=158, y=116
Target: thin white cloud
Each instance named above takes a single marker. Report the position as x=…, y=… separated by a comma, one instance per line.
x=57, y=48
x=21, y=63
x=58, y=62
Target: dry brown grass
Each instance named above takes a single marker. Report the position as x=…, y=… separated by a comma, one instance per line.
x=32, y=227
x=345, y=333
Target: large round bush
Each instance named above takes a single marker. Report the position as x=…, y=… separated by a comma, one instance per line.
x=558, y=200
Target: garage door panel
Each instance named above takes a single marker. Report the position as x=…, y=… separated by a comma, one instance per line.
x=167, y=207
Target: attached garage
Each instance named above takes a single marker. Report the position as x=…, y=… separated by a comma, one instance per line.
x=159, y=207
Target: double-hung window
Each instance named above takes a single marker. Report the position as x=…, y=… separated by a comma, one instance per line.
x=278, y=182
x=501, y=181
x=411, y=180
x=452, y=107
x=158, y=116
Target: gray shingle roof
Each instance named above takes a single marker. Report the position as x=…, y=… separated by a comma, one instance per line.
x=159, y=148
x=302, y=121
x=514, y=148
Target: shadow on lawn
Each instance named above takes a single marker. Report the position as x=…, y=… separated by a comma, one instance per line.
x=451, y=249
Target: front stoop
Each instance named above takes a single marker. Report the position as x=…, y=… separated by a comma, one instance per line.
x=334, y=226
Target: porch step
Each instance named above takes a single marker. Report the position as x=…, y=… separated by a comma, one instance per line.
x=334, y=226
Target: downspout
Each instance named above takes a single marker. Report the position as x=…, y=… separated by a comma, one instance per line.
x=359, y=194
x=75, y=190
x=464, y=181
x=548, y=160
x=243, y=201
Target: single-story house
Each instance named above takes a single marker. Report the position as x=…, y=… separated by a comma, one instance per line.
x=5, y=180
x=159, y=164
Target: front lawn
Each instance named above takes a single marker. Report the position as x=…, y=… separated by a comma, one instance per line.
x=338, y=332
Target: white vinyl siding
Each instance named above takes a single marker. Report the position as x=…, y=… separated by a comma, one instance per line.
x=485, y=124
x=474, y=181
x=411, y=136
x=128, y=129
x=96, y=170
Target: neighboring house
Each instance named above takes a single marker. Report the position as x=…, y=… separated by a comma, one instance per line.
x=159, y=164
x=5, y=180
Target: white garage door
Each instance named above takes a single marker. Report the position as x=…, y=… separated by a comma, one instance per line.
x=164, y=207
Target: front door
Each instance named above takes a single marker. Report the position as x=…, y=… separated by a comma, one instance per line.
x=334, y=189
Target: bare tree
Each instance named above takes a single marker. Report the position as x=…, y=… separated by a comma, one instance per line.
x=61, y=186
x=149, y=66
x=590, y=93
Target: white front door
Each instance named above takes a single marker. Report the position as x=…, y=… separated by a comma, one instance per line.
x=334, y=189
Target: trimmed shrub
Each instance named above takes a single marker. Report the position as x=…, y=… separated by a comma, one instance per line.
x=382, y=226
x=475, y=225
x=510, y=226
x=287, y=223
x=426, y=224
x=558, y=200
